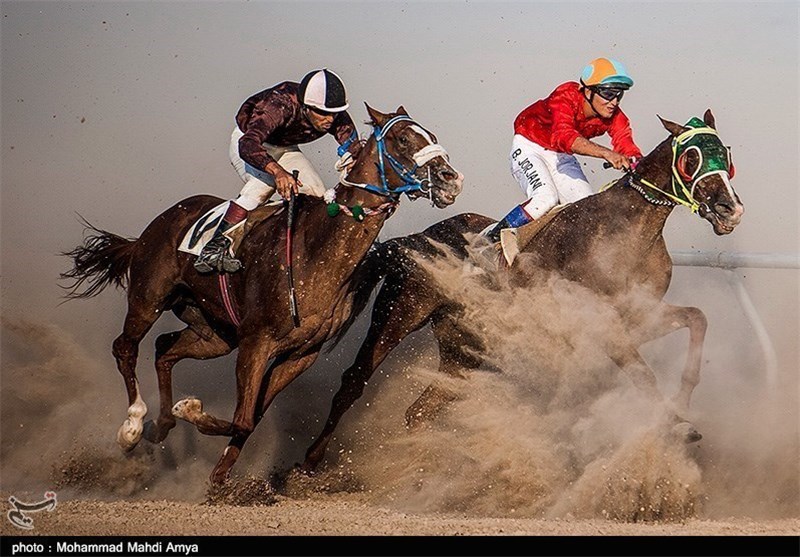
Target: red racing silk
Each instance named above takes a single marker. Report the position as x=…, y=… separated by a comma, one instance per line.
x=555, y=123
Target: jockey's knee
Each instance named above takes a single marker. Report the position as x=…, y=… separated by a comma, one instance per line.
x=254, y=193
x=539, y=205
x=312, y=184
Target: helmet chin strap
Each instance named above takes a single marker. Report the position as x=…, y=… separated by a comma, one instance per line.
x=590, y=101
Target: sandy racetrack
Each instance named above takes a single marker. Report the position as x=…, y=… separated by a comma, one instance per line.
x=567, y=448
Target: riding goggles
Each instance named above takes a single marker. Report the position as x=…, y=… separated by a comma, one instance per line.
x=609, y=93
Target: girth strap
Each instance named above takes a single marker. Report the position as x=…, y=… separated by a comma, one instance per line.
x=227, y=298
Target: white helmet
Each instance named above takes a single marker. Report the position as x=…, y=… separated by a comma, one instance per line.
x=324, y=90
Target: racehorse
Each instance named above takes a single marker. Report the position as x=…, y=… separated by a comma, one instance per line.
x=610, y=243
x=332, y=236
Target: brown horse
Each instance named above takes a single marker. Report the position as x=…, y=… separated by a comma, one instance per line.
x=610, y=243
x=399, y=157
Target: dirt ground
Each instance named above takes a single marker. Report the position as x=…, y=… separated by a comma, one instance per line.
x=349, y=515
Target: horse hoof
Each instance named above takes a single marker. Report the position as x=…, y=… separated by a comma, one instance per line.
x=154, y=433
x=129, y=434
x=306, y=468
x=686, y=432
x=218, y=478
x=186, y=408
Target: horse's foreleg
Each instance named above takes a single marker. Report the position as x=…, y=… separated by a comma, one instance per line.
x=282, y=372
x=627, y=357
x=251, y=364
x=391, y=323
x=170, y=349
x=453, y=360
x=666, y=319
x=433, y=400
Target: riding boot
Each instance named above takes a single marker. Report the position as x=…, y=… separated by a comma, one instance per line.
x=514, y=219
x=216, y=254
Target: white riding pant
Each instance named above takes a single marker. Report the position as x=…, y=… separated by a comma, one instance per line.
x=548, y=178
x=259, y=185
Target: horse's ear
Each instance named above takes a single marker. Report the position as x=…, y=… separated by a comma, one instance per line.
x=401, y=110
x=708, y=118
x=378, y=118
x=672, y=127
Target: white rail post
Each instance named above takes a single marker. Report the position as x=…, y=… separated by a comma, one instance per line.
x=730, y=261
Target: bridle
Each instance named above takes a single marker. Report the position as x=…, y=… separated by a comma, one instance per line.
x=411, y=183
x=683, y=184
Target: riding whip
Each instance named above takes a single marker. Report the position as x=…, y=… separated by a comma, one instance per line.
x=289, y=225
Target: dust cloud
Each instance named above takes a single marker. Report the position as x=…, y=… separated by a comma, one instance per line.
x=559, y=432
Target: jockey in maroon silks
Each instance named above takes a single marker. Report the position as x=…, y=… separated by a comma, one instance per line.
x=264, y=151
x=551, y=131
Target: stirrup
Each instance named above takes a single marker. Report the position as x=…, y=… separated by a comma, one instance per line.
x=216, y=257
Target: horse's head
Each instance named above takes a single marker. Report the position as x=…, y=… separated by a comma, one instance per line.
x=411, y=161
x=702, y=167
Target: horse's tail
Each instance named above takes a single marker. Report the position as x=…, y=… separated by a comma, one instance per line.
x=103, y=258
x=372, y=269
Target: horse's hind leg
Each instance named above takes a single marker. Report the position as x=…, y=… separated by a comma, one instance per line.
x=126, y=351
x=148, y=294
x=170, y=349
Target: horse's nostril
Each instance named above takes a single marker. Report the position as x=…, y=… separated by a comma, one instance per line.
x=447, y=175
x=723, y=209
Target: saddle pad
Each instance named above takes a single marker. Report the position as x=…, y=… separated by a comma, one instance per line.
x=202, y=231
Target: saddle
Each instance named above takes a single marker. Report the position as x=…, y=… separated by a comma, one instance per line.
x=203, y=230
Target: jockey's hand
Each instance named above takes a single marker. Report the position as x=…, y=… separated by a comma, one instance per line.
x=285, y=184
x=617, y=160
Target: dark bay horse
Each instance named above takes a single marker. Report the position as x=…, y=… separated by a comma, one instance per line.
x=610, y=243
x=331, y=237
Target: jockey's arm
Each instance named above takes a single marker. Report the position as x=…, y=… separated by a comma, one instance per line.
x=251, y=149
x=583, y=146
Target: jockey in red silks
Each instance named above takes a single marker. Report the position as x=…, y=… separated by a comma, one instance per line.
x=264, y=151
x=549, y=132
